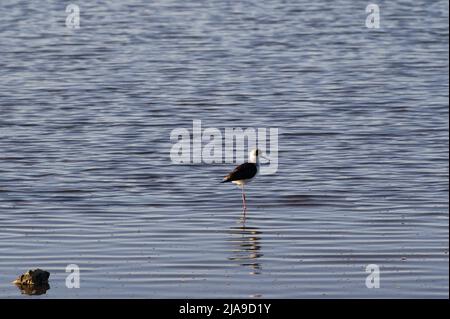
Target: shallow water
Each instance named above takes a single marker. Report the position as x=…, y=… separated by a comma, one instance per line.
x=86, y=177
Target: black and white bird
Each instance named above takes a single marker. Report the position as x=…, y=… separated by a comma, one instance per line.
x=244, y=173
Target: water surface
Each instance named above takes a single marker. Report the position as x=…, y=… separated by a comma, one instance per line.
x=86, y=178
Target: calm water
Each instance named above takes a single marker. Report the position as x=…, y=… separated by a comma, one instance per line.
x=86, y=178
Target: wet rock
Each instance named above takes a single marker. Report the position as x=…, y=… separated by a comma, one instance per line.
x=37, y=277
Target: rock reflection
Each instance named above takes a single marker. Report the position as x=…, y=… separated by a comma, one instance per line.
x=246, y=249
x=33, y=290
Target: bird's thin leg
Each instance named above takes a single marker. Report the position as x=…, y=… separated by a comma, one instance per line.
x=243, y=200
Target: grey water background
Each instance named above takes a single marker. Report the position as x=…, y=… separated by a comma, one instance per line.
x=86, y=177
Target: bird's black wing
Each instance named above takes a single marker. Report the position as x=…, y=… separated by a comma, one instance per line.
x=243, y=171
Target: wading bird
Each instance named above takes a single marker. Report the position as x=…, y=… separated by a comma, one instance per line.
x=244, y=173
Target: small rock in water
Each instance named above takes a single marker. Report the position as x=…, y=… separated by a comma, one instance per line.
x=33, y=282
x=33, y=277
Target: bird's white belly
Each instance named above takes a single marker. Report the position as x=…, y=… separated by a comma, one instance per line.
x=241, y=182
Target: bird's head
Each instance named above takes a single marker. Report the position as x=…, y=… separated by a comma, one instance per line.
x=255, y=155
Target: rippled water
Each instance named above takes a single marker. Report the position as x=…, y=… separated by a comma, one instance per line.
x=86, y=178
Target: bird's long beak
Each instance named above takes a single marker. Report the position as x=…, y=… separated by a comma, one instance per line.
x=265, y=157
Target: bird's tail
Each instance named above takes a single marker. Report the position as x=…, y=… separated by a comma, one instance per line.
x=225, y=180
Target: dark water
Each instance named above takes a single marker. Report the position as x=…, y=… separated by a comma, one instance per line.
x=86, y=178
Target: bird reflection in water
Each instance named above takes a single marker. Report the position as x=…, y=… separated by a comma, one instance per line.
x=246, y=249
